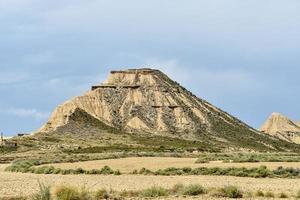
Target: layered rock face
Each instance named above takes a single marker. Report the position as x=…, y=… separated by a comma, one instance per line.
x=143, y=100
x=143, y=103
x=282, y=127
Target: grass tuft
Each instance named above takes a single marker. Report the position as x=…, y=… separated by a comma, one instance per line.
x=43, y=193
x=231, y=192
x=155, y=192
x=193, y=190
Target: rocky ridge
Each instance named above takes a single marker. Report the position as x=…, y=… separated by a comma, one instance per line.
x=282, y=127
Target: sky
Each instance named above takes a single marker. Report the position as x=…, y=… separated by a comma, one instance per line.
x=242, y=56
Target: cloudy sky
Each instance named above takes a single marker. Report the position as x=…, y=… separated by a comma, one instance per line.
x=242, y=56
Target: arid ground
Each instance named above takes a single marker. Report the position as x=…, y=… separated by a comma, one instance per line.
x=18, y=184
x=127, y=165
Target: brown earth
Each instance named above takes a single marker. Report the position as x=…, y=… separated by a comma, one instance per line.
x=127, y=165
x=18, y=184
x=14, y=184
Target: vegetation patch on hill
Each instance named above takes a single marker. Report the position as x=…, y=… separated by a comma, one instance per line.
x=32, y=166
x=248, y=157
x=259, y=172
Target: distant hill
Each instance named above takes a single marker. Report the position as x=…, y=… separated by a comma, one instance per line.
x=282, y=127
x=144, y=108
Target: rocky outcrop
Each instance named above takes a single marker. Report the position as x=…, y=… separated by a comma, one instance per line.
x=282, y=127
x=146, y=101
x=140, y=100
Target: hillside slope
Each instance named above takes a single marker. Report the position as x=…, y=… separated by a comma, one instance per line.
x=145, y=103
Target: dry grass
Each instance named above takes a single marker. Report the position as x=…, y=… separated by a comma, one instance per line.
x=127, y=165
x=17, y=184
x=20, y=184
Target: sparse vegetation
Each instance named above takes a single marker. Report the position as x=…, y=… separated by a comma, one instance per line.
x=248, y=157
x=270, y=194
x=73, y=193
x=155, y=192
x=258, y=172
x=43, y=193
x=283, y=195
x=30, y=167
x=193, y=190
x=230, y=192
x=259, y=193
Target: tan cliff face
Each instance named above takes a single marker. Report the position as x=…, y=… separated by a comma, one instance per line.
x=141, y=99
x=146, y=102
x=144, y=99
x=281, y=126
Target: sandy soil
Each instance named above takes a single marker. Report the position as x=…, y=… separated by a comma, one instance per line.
x=127, y=165
x=12, y=184
x=18, y=184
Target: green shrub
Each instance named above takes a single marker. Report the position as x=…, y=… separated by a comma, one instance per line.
x=282, y=195
x=298, y=194
x=193, y=190
x=117, y=173
x=101, y=194
x=106, y=170
x=155, y=192
x=259, y=193
x=270, y=195
x=43, y=193
x=231, y=192
x=67, y=193
x=79, y=171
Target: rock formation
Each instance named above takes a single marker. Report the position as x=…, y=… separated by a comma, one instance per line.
x=146, y=101
x=282, y=127
x=142, y=100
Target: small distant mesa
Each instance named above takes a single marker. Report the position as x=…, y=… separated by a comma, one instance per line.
x=281, y=126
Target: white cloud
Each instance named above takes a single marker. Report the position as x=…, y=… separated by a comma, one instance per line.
x=27, y=113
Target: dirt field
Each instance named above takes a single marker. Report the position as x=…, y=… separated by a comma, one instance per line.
x=14, y=184
x=127, y=165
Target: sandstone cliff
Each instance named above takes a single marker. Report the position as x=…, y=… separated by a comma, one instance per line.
x=147, y=102
x=281, y=126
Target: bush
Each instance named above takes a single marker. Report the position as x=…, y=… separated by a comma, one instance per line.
x=106, y=170
x=283, y=195
x=43, y=193
x=155, y=192
x=101, y=194
x=193, y=190
x=231, y=192
x=117, y=173
x=259, y=193
x=67, y=193
x=270, y=195
x=298, y=194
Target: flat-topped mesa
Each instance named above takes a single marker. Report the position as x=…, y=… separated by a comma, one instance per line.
x=135, y=78
x=146, y=101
